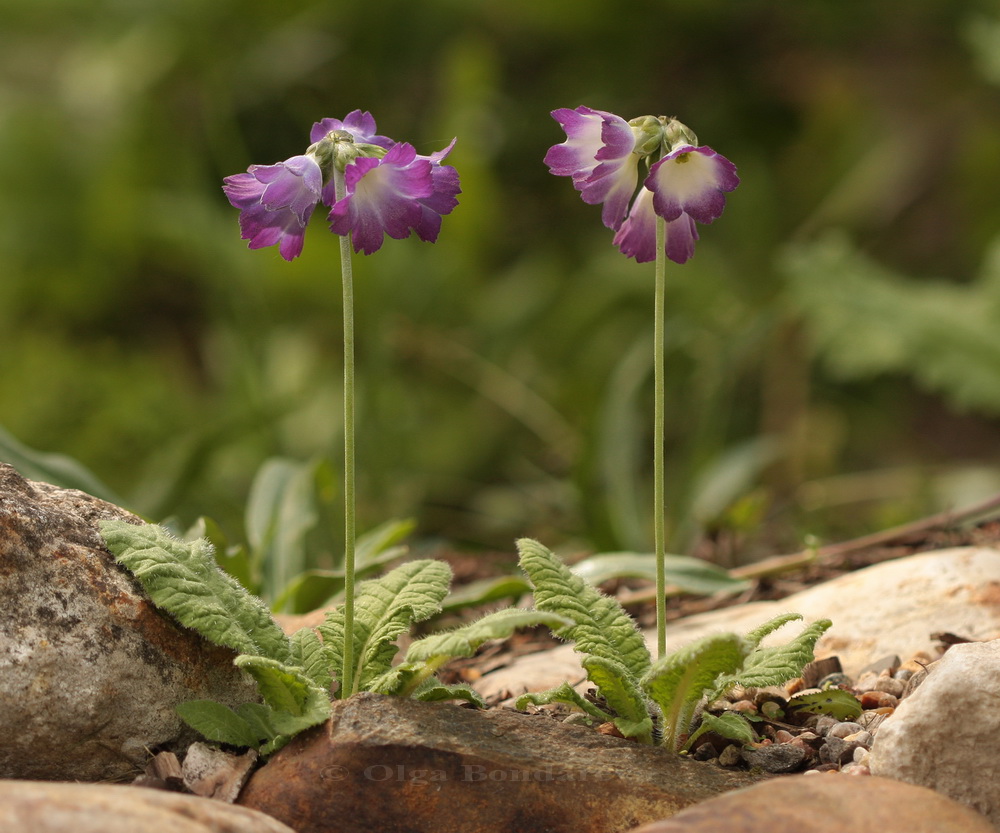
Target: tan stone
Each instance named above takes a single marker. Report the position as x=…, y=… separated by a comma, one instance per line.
x=90, y=670
x=44, y=807
x=826, y=803
x=394, y=764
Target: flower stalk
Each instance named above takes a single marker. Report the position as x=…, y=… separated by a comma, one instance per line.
x=659, y=422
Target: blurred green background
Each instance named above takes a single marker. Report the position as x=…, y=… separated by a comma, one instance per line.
x=833, y=347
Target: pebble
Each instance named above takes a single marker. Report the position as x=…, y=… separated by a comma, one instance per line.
x=861, y=738
x=842, y=730
x=890, y=686
x=783, y=757
x=730, y=756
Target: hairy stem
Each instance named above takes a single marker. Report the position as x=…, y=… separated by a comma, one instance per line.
x=658, y=437
x=347, y=681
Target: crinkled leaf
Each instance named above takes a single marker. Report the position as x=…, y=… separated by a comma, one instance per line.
x=562, y=694
x=729, y=725
x=384, y=608
x=621, y=692
x=464, y=641
x=434, y=691
x=309, y=653
x=600, y=625
x=692, y=575
x=835, y=702
x=219, y=723
x=775, y=665
x=184, y=580
x=485, y=591
x=678, y=681
x=756, y=636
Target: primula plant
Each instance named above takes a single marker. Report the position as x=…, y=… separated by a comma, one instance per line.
x=682, y=183
x=373, y=186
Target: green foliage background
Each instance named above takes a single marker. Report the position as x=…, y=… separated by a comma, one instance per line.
x=839, y=319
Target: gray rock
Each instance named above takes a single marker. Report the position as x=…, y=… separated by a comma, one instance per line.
x=943, y=735
x=394, y=764
x=90, y=670
x=830, y=803
x=893, y=608
x=41, y=807
x=781, y=757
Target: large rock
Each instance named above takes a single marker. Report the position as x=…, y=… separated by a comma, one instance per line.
x=393, y=764
x=946, y=734
x=888, y=608
x=829, y=803
x=42, y=807
x=90, y=670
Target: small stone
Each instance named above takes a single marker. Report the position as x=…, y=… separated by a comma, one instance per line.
x=744, y=706
x=862, y=756
x=861, y=738
x=887, y=663
x=783, y=757
x=878, y=700
x=807, y=749
x=783, y=736
x=730, y=756
x=704, y=752
x=842, y=730
x=836, y=751
x=890, y=686
x=866, y=682
x=824, y=724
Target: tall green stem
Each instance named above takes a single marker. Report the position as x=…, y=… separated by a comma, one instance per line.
x=659, y=308
x=347, y=681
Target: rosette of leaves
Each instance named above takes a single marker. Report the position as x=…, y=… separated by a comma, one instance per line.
x=653, y=701
x=297, y=675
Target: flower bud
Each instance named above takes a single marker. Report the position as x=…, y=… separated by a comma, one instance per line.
x=648, y=131
x=678, y=135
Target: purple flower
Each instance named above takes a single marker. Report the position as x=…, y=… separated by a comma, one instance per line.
x=686, y=182
x=276, y=202
x=390, y=189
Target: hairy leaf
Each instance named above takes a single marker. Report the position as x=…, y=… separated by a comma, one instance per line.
x=435, y=691
x=184, y=580
x=219, y=723
x=775, y=665
x=729, y=725
x=756, y=636
x=621, y=692
x=600, y=625
x=678, y=682
x=835, y=702
x=562, y=694
x=464, y=641
x=309, y=653
x=385, y=608
x=692, y=575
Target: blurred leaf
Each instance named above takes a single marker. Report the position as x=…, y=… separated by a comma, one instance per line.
x=485, y=591
x=57, y=469
x=692, y=575
x=731, y=475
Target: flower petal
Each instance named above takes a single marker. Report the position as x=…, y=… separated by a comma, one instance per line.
x=637, y=236
x=361, y=125
x=691, y=180
x=382, y=197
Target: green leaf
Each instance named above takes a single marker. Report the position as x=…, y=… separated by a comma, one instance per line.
x=621, y=692
x=57, y=469
x=385, y=608
x=678, y=682
x=756, y=636
x=835, y=702
x=184, y=580
x=775, y=665
x=465, y=641
x=692, y=575
x=285, y=688
x=309, y=653
x=485, y=591
x=436, y=691
x=600, y=625
x=729, y=725
x=564, y=693
x=219, y=723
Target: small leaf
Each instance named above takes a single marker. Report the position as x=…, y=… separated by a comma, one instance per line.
x=756, y=636
x=729, y=725
x=600, y=626
x=285, y=688
x=436, y=691
x=184, y=580
x=622, y=694
x=678, y=682
x=562, y=694
x=219, y=723
x=385, y=608
x=485, y=591
x=775, y=665
x=310, y=654
x=835, y=702
x=464, y=641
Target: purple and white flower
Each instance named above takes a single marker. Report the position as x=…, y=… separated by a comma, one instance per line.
x=686, y=181
x=389, y=189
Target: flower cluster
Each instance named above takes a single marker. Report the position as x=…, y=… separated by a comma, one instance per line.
x=685, y=181
x=388, y=189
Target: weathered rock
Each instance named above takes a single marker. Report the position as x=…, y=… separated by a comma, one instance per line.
x=829, y=803
x=90, y=670
x=888, y=608
x=43, y=807
x=944, y=735
x=394, y=764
